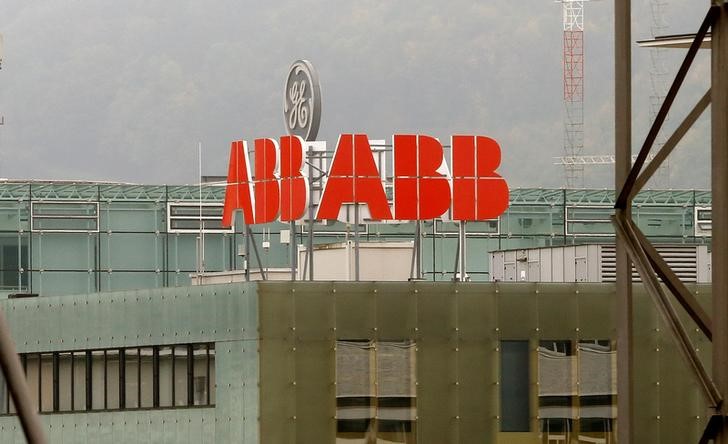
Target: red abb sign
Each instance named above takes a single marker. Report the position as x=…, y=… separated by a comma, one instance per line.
x=423, y=186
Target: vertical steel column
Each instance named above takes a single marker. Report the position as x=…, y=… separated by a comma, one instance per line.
x=294, y=261
x=247, y=254
x=356, y=240
x=418, y=265
x=623, y=164
x=462, y=268
x=719, y=178
x=309, y=252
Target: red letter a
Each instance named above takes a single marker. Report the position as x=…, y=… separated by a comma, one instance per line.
x=353, y=179
x=237, y=193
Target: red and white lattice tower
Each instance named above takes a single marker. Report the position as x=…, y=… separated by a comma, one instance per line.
x=573, y=58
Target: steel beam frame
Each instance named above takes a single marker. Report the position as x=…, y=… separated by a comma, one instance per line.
x=719, y=185
x=625, y=230
x=628, y=189
x=646, y=259
x=623, y=162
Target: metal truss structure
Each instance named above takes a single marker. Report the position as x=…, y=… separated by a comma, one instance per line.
x=658, y=81
x=643, y=254
x=93, y=192
x=573, y=60
x=599, y=159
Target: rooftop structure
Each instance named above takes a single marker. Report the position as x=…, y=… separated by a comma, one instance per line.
x=61, y=238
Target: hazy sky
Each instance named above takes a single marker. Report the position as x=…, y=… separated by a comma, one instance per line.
x=125, y=90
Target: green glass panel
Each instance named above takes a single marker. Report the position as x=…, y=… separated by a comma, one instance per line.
x=64, y=224
x=182, y=252
x=13, y=262
x=130, y=280
x=132, y=216
x=64, y=251
x=13, y=216
x=54, y=283
x=132, y=251
x=526, y=219
x=664, y=221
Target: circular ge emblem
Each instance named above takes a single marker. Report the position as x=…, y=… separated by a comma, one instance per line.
x=302, y=101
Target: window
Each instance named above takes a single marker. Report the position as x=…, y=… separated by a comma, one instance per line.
x=597, y=390
x=556, y=389
x=589, y=221
x=182, y=392
x=14, y=262
x=201, y=374
x=187, y=217
x=131, y=378
x=3, y=395
x=114, y=379
x=166, y=376
x=32, y=373
x=703, y=221
x=64, y=387
x=98, y=379
x=78, y=387
x=375, y=391
x=46, y=382
x=515, y=380
x=396, y=392
x=64, y=216
x=211, y=374
x=147, y=386
x=576, y=389
x=481, y=228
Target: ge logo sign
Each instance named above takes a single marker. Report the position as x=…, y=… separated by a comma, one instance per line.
x=302, y=101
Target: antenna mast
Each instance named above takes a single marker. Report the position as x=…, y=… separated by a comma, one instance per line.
x=573, y=58
x=659, y=80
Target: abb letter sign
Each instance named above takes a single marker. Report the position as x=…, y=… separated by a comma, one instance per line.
x=424, y=188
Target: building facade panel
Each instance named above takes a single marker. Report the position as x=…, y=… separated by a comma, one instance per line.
x=439, y=359
x=459, y=335
x=163, y=320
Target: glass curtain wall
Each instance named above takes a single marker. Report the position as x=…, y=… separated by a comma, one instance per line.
x=66, y=238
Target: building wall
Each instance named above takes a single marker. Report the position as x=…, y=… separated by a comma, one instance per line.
x=225, y=315
x=276, y=357
x=458, y=330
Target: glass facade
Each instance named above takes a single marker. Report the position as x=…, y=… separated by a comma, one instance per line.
x=72, y=238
